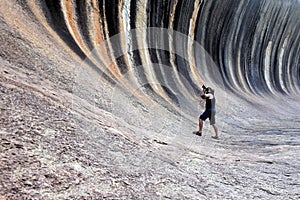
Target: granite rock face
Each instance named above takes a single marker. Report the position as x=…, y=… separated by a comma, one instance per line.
x=255, y=44
x=99, y=99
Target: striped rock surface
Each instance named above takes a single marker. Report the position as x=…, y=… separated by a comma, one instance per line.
x=99, y=99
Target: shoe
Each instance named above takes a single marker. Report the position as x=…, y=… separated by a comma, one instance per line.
x=197, y=133
x=215, y=137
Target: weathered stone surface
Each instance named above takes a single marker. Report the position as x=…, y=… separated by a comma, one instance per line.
x=91, y=109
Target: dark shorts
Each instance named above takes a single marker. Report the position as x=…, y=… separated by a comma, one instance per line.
x=209, y=114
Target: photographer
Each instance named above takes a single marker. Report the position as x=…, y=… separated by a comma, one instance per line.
x=210, y=110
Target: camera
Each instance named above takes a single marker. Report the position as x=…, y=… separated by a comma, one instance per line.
x=205, y=89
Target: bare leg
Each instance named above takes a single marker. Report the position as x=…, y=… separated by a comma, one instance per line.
x=216, y=130
x=200, y=125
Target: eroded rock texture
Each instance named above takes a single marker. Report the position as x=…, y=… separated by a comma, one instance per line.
x=99, y=99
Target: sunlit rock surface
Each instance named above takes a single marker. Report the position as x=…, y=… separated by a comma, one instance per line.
x=99, y=99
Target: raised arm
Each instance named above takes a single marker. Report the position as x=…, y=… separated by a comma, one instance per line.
x=206, y=96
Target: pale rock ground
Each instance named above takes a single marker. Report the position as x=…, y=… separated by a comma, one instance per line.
x=56, y=145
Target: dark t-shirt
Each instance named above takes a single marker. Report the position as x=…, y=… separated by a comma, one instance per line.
x=210, y=104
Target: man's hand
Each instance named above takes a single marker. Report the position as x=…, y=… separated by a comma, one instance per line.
x=206, y=96
x=202, y=95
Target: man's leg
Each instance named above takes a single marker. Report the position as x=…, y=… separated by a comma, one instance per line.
x=202, y=118
x=216, y=130
x=200, y=125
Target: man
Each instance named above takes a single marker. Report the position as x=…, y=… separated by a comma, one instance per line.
x=210, y=110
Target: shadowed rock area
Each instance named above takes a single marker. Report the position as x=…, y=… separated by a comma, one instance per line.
x=99, y=99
